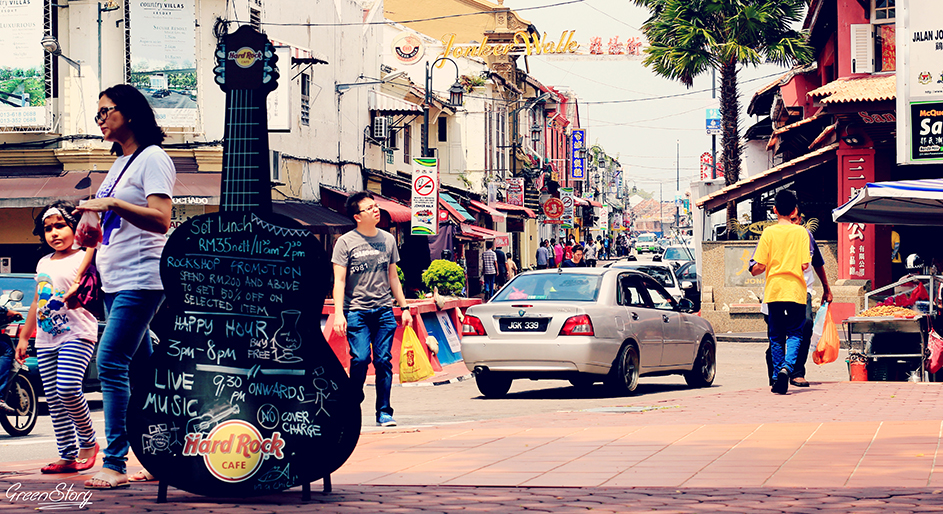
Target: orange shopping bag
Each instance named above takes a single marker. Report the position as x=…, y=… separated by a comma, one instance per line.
x=414, y=365
x=827, y=349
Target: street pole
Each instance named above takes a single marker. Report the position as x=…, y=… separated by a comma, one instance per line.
x=455, y=100
x=677, y=185
x=713, y=136
x=110, y=6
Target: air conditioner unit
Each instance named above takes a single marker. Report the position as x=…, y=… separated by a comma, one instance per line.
x=381, y=128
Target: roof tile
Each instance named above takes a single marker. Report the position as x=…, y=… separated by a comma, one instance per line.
x=872, y=88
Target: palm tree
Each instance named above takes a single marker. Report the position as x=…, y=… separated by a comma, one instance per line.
x=689, y=37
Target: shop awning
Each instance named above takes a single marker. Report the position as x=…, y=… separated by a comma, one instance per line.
x=454, y=208
x=768, y=179
x=904, y=202
x=386, y=104
x=315, y=217
x=398, y=213
x=496, y=215
x=40, y=191
x=518, y=209
x=501, y=239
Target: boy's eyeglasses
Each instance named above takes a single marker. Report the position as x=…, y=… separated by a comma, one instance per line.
x=103, y=113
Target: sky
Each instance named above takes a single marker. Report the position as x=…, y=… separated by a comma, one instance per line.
x=645, y=133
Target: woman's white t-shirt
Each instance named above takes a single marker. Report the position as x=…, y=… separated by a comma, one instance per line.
x=129, y=258
x=56, y=323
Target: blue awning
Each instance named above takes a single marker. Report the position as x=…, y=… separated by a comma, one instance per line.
x=453, y=205
x=904, y=202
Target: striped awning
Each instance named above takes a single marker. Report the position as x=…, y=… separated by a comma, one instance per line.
x=386, y=104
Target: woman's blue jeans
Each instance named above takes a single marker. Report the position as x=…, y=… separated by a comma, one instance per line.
x=125, y=343
x=372, y=328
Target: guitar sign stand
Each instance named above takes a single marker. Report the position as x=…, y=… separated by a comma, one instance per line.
x=245, y=397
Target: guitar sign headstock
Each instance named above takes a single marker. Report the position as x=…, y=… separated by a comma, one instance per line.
x=245, y=60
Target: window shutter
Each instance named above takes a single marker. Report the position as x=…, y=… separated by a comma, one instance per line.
x=862, y=49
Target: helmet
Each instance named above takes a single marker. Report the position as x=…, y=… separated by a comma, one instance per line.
x=914, y=261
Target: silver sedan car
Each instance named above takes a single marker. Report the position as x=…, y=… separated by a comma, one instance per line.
x=586, y=325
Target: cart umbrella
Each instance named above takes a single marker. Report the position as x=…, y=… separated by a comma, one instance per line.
x=904, y=202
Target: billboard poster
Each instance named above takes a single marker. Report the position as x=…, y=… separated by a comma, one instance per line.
x=604, y=217
x=919, y=38
x=515, y=194
x=22, y=72
x=566, y=196
x=163, y=59
x=425, y=197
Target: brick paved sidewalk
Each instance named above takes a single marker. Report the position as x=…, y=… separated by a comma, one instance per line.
x=862, y=447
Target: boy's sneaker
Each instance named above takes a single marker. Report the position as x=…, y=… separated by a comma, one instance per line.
x=782, y=382
x=385, y=420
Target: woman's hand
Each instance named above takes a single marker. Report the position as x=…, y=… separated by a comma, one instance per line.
x=96, y=205
x=71, y=301
x=22, y=351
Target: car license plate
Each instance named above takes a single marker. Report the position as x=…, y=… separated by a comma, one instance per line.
x=523, y=324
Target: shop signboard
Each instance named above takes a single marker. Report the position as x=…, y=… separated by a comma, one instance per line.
x=604, y=217
x=515, y=194
x=566, y=196
x=408, y=48
x=737, y=267
x=163, y=59
x=425, y=197
x=707, y=162
x=577, y=154
x=919, y=38
x=22, y=72
x=553, y=210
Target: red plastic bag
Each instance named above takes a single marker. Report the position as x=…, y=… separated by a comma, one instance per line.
x=827, y=349
x=88, y=233
x=935, y=343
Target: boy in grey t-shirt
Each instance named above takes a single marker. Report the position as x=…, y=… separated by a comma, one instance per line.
x=365, y=283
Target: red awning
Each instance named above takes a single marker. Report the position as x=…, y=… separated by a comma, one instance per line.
x=39, y=191
x=398, y=213
x=580, y=201
x=496, y=215
x=515, y=208
x=501, y=239
x=594, y=203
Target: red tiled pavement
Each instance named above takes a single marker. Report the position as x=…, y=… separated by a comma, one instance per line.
x=863, y=447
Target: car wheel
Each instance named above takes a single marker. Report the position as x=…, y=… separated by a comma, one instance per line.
x=493, y=385
x=705, y=365
x=623, y=378
x=582, y=381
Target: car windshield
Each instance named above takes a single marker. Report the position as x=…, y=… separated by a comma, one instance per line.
x=25, y=284
x=661, y=274
x=646, y=239
x=567, y=287
x=678, y=254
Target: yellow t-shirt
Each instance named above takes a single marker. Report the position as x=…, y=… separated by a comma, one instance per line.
x=783, y=249
x=895, y=247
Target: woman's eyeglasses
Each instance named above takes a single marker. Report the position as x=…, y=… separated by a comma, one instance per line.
x=103, y=113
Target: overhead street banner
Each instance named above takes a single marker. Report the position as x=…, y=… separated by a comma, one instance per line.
x=163, y=59
x=425, y=197
x=22, y=67
x=919, y=81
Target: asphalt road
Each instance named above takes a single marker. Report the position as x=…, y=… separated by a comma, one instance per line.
x=740, y=366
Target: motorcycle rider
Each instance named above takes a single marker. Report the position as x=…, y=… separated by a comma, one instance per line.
x=6, y=356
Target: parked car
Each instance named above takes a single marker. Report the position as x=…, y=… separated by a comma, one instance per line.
x=662, y=272
x=585, y=325
x=675, y=255
x=687, y=279
x=647, y=243
x=161, y=93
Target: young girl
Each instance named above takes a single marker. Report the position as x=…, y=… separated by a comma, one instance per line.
x=65, y=339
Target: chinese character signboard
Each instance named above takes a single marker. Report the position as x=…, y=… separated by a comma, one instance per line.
x=425, y=197
x=566, y=196
x=515, y=194
x=919, y=38
x=577, y=161
x=604, y=217
x=163, y=59
x=23, y=94
x=553, y=210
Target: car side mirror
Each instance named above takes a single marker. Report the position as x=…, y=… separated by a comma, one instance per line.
x=687, y=284
x=656, y=258
x=685, y=305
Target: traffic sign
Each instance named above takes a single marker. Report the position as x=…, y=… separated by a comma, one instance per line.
x=424, y=185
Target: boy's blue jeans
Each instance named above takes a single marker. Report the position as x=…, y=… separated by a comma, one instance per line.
x=372, y=328
x=786, y=320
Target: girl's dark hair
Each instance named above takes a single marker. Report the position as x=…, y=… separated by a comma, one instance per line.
x=138, y=114
x=65, y=207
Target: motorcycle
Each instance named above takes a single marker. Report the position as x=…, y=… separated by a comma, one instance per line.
x=19, y=394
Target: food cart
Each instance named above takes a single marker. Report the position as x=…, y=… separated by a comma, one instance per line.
x=905, y=202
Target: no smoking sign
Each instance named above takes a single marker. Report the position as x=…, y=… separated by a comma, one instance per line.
x=424, y=185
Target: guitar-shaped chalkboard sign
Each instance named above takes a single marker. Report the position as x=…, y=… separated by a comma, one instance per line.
x=244, y=396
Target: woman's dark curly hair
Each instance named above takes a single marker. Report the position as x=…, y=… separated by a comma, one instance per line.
x=65, y=207
x=138, y=114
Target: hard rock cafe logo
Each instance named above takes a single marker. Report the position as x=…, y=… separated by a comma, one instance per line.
x=234, y=450
x=408, y=48
x=925, y=77
x=245, y=57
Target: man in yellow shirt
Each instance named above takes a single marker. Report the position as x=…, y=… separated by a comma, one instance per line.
x=783, y=254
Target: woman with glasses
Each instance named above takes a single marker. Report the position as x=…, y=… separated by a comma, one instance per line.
x=135, y=201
